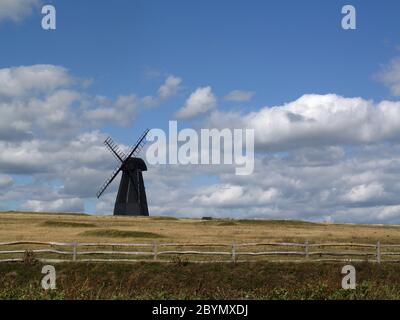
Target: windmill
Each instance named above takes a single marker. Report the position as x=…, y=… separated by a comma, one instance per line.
x=131, y=198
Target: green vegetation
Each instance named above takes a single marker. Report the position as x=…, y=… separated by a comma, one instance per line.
x=261, y=223
x=11, y=212
x=227, y=224
x=285, y=223
x=111, y=233
x=200, y=281
x=164, y=218
x=66, y=224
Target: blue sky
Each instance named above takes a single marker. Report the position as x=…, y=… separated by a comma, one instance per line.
x=277, y=50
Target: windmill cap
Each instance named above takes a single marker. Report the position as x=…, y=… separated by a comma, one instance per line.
x=136, y=164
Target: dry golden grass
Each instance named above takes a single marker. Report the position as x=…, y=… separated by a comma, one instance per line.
x=69, y=228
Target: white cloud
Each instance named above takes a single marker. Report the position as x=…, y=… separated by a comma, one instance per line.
x=318, y=120
x=47, y=133
x=25, y=80
x=365, y=193
x=357, y=184
x=234, y=196
x=200, y=102
x=52, y=113
x=301, y=184
x=304, y=166
x=389, y=213
x=39, y=99
x=239, y=96
x=168, y=89
x=16, y=10
x=390, y=76
x=54, y=156
x=122, y=112
x=60, y=205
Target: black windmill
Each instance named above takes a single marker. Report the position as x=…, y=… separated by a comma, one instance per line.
x=131, y=199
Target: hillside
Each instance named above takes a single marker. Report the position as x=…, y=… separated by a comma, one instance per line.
x=178, y=278
x=85, y=228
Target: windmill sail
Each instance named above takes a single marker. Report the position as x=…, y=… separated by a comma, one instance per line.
x=108, y=182
x=115, y=150
x=138, y=147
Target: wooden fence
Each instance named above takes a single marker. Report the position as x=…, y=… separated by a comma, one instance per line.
x=164, y=252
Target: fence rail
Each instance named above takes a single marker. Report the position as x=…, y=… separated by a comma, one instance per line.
x=16, y=251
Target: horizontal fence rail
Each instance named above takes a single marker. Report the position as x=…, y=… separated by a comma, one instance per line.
x=18, y=251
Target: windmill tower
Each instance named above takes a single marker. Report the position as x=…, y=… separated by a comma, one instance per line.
x=131, y=199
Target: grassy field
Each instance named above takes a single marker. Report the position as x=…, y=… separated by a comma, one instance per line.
x=83, y=228
x=200, y=281
x=179, y=279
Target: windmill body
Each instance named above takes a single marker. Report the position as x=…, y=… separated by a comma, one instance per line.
x=131, y=199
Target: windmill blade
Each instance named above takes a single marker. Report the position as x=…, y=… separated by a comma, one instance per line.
x=108, y=182
x=139, y=145
x=114, y=149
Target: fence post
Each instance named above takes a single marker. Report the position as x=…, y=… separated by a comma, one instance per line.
x=307, y=249
x=74, y=251
x=155, y=250
x=234, y=252
x=378, y=252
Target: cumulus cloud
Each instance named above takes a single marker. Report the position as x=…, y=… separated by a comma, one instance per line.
x=239, y=96
x=320, y=157
x=16, y=10
x=52, y=113
x=60, y=205
x=122, y=112
x=314, y=184
x=365, y=193
x=231, y=196
x=168, y=89
x=44, y=99
x=37, y=99
x=26, y=80
x=318, y=120
x=390, y=76
x=50, y=137
x=200, y=102
x=54, y=157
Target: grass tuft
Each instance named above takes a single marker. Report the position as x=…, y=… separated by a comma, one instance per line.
x=164, y=218
x=112, y=233
x=227, y=224
x=284, y=223
x=66, y=224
